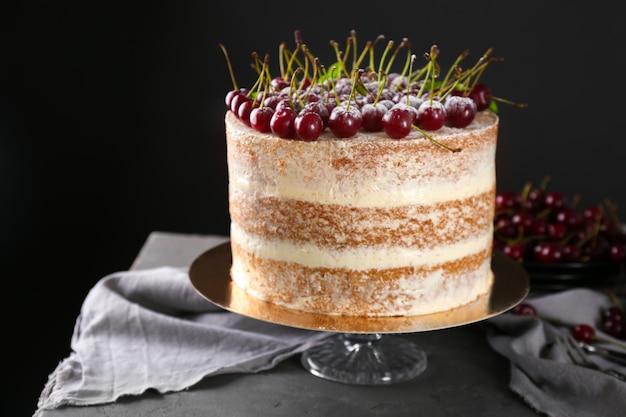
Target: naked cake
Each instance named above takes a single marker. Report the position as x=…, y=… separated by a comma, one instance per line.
x=372, y=220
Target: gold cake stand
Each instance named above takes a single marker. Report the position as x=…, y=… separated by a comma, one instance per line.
x=363, y=352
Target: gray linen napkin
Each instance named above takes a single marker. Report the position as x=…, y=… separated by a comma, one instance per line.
x=150, y=329
x=540, y=372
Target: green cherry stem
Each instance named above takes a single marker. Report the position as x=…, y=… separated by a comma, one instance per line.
x=230, y=67
x=435, y=141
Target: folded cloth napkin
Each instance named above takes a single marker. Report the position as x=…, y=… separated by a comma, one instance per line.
x=150, y=329
x=541, y=373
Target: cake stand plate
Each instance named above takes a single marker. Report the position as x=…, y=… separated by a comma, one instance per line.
x=210, y=276
x=360, y=353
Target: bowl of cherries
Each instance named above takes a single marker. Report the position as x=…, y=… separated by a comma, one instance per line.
x=559, y=244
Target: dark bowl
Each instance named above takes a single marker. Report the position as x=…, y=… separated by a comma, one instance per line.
x=563, y=275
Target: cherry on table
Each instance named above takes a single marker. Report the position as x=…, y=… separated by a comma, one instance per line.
x=554, y=200
x=613, y=321
x=557, y=231
x=524, y=309
x=595, y=212
x=515, y=251
x=583, y=333
x=572, y=253
x=534, y=200
x=548, y=252
x=504, y=227
x=538, y=226
x=617, y=252
x=507, y=200
x=570, y=217
x=523, y=219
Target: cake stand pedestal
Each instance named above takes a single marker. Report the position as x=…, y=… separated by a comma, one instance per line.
x=365, y=359
x=365, y=351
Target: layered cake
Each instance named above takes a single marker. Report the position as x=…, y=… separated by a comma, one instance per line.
x=367, y=224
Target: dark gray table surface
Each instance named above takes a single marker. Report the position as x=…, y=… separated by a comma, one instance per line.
x=464, y=376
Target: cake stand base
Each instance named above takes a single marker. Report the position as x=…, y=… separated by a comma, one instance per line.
x=365, y=359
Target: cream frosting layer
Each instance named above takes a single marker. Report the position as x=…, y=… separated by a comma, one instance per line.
x=369, y=293
x=358, y=258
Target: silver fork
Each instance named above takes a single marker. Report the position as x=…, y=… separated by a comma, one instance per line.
x=567, y=343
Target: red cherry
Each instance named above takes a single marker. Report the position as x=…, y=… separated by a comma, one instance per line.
x=524, y=309
x=243, y=112
x=548, y=252
x=614, y=313
x=232, y=93
x=272, y=101
x=344, y=121
x=613, y=321
x=617, y=252
x=583, y=333
x=279, y=83
x=507, y=200
x=481, y=94
x=523, y=219
x=282, y=121
x=598, y=249
x=534, y=200
x=260, y=119
x=308, y=125
x=283, y=103
x=572, y=253
x=431, y=115
x=594, y=212
x=515, y=251
x=538, y=226
x=373, y=116
x=504, y=227
x=570, y=217
x=460, y=111
x=397, y=121
x=554, y=200
x=319, y=108
x=557, y=231
x=236, y=101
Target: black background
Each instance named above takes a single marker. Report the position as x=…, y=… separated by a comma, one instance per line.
x=111, y=126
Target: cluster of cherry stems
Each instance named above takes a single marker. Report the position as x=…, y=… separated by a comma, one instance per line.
x=394, y=109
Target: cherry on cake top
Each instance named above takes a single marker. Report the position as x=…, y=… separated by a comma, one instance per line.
x=360, y=92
